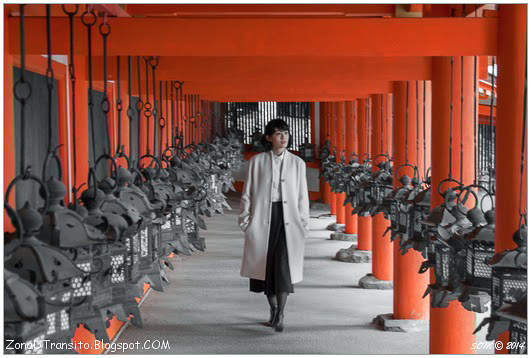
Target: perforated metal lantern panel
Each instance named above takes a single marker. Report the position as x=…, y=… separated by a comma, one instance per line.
x=518, y=338
x=145, y=245
x=29, y=336
x=118, y=268
x=478, y=273
x=443, y=263
x=507, y=285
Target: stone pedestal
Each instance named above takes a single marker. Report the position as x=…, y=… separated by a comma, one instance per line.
x=318, y=206
x=387, y=323
x=352, y=254
x=336, y=227
x=371, y=282
x=341, y=236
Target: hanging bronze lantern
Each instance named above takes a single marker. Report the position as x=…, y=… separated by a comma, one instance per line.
x=478, y=275
x=256, y=140
x=516, y=314
x=509, y=282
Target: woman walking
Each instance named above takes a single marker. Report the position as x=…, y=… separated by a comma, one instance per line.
x=274, y=215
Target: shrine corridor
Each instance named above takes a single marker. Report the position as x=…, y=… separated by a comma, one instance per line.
x=208, y=309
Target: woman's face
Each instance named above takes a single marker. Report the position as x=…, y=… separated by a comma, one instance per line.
x=279, y=139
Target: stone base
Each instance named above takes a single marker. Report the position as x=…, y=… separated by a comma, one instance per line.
x=370, y=282
x=320, y=206
x=341, y=236
x=352, y=254
x=336, y=227
x=387, y=323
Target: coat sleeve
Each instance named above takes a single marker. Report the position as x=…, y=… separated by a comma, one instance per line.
x=245, y=201
x=304, y=202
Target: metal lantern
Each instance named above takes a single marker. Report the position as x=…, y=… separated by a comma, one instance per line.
x=509, y=282
x=448, y=267
x=478, y=275
x=420, y=208
x=256, y=141
x=516, y=314
x=306, y=151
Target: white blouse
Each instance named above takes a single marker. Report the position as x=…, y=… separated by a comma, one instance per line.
x=278, y=160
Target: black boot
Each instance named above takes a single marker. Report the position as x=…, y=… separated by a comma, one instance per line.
x=272, y=300
x=273, y=312
x=278, y=322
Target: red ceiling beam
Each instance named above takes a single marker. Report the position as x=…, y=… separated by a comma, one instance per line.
x=273, y=37
x=250, y=69
x=263, y=10
x=112, y=9
x=287, y=91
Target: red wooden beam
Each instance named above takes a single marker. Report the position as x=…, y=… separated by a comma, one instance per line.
x=245, y=69
x=289, y=91
x=112, y=9
x=273, y=37
x=224, y=10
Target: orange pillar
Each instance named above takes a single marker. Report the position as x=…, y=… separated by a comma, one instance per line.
x=324, y=135
x=364, y=223
x=9, y=123
x=409, y=285
x=331, y=124
x=351, y=221
x=382, y=247
x=511, y=63
x=340, y=138
x=445, y=335
x=512, y=45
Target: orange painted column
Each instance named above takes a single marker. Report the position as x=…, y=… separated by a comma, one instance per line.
x=382, y=247
x=364, y=149
x=351, y=221
x=324, y=135
x=9, y=124
x=409, y=285
x=512, y=41
x=340, y=135
x=445, y=335
x=332, y=125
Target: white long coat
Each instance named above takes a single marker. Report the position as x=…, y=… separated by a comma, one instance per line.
x=255, y=213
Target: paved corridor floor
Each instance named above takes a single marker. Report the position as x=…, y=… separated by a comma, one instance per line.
x=208, y=309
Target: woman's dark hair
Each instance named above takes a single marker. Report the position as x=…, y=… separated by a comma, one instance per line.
x=271, y=127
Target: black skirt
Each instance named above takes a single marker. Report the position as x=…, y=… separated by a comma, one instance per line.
x=278, y=278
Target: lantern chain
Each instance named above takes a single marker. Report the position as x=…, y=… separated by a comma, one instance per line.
x=153, y=63
x=105, y=30
x=475, y=121
x=119, y=105
x=522, y=162
x=451, y=112
x=417, y=118
x=72, y=74
x=130, y=95
x=147, y=105
x=424, y=126
x=407, y=120
x=492, y=147
x=382, y=124
x=89, y=19
x=139, y=103
x=49, y=75
x=461, y=119
x=22, y=91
